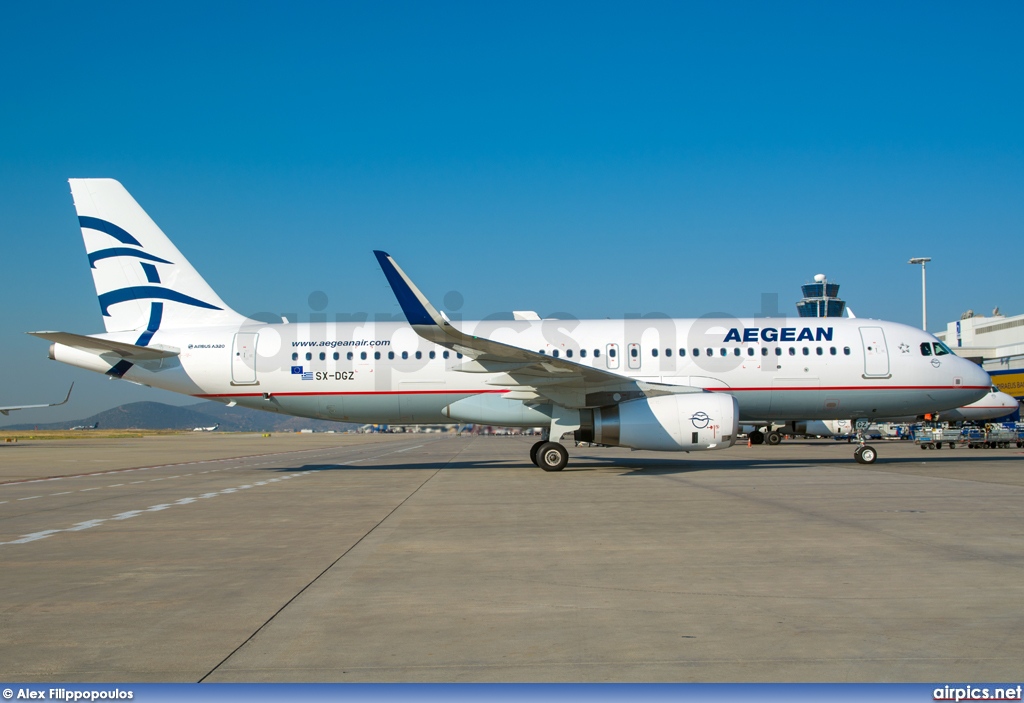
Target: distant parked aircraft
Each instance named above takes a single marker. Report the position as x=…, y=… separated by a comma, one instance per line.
x=9, y=408
x=93, y=426
x=205, y=429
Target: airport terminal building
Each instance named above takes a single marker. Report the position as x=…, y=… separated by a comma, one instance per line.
x=996, y=342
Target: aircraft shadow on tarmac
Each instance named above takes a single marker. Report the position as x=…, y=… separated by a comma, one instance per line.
x=364, y=465
x=636, y=465
x=653, y=467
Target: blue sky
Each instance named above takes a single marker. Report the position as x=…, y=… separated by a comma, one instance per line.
x=590, y=158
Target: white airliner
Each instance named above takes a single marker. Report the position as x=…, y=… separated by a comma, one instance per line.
x=650, y=383
x=993, y=406
x=7, y=410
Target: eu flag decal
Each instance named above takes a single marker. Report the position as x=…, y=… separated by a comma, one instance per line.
x=297, y=370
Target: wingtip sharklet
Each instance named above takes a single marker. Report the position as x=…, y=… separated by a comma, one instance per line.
x=417, y=309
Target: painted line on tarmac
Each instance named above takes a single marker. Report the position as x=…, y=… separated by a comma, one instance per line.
x=166, y=466
x=88, y=524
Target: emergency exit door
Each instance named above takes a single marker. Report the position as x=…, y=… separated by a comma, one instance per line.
x=243, y=359
x=876, y=355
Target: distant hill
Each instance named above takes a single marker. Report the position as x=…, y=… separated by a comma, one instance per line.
x=147, y=415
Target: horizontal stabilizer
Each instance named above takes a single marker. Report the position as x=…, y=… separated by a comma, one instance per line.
x=96, y=345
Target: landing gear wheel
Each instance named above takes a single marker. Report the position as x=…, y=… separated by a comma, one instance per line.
x=533, y=451
x=773, y=438
x=865, y=454
x=552, y=456
x=756, y=437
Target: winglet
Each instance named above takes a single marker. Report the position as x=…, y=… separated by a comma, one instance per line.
x=417, y=309
x=5, y=411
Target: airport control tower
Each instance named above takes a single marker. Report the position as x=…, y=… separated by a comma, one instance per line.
x=821, y=299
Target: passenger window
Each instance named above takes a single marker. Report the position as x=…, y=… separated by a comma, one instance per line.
x=820, y=351
x=633, y=352
x=668, y=352
x=419, y=355
x=597, y=353
x=295, y=356
x=696, y=352
x=554, y=353
x=611, y=353
x=682, y=352
x=349, y=356
x=444, y=354
x=405, y=355
x=391, y=355
x=362, y=355
x=807, y=352
x=323, y=356
x=376, y=355
x=736, y=351
x=309, y=356
x=764, y=351
x=432, y=355
x=337, y=356
x=832, y=351
x=583, y=353
x=458, y=355
x=568, y=353
x=750, y=351
x=778, y=351
x=710, y=351
x=846, y=351
x=792, y=351
x=654, y=352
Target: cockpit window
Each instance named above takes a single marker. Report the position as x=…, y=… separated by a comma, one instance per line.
x=926, y=348
x=941, y=349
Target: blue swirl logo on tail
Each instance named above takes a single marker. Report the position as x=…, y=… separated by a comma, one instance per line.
x=122, y=295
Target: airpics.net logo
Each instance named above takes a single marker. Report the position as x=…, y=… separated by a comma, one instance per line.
x=977, y=693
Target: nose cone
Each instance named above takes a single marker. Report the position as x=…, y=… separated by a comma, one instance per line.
x=974, y=377
x=1005, y=400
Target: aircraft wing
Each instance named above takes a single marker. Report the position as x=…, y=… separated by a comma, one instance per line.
x=529, y=375
x=9, y=408
x=95, y=345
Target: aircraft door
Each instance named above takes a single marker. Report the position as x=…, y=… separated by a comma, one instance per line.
x=633, y=359
x=611, y=355
x=243, y=359
x=876, y=355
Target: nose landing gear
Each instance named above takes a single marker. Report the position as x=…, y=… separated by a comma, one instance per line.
x=865, y=453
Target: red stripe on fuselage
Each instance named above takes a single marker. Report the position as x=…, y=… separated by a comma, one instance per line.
x=301, y=393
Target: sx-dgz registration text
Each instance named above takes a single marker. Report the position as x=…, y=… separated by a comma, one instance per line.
x=335, y=375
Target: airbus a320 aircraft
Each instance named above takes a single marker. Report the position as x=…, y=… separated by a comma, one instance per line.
x=648, y=383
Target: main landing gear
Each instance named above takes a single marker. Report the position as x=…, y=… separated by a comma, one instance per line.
x=772, y=438
x=550, y=456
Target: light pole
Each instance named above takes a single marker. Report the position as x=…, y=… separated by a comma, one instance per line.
x=924, y=289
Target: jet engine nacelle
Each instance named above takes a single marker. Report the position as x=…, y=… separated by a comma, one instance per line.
x=668, y=423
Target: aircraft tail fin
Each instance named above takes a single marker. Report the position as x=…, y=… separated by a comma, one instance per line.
x=142, y=280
